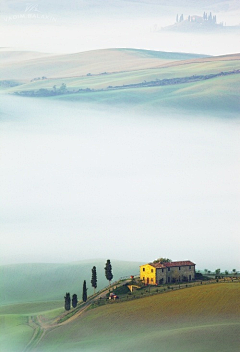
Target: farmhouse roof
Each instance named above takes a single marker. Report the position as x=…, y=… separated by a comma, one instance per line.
x=157, y=265
x=171, y=264
x=181, y=263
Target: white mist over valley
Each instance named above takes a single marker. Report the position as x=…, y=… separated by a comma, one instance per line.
x=80, y=182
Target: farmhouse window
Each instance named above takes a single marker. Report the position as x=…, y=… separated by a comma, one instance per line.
x=162, y=270
x=190, y=267
x=179, y=268
x=151, y=270
x=143, y=269
x=168, y=269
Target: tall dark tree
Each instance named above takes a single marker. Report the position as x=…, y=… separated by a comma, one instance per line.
x=108, y=271
x=94, y=278
x=84, y=293
x=67, y=301
x=74, y=300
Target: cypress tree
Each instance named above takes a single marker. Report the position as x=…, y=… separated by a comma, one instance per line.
x=94, y=278
x=108, y=271
x=67, y=301
x=74, y=300
x=84, y=294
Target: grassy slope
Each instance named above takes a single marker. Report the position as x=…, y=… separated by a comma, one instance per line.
x=15, y=332
x=96, y=61
x=8, y=56
x=218, y=94
x=180, y=69
x=31, y=308
x=25, y=283
x=202, y=318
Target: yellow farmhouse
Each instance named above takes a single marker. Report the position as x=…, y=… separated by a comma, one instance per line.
x=159, y=274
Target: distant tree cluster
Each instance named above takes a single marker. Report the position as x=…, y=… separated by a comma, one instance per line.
x=179, y=18
x=44, y=92
x=209, y=17
x=206, y=18
x=162, y=260
x=219, y=273
x=38, y=78
x=9, y=83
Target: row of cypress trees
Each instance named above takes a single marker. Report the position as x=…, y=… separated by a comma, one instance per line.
x=109, y=277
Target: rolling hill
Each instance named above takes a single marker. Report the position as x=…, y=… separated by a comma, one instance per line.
x=202, y=318
x=24, y=283
x=93, y=62
x=136, y=78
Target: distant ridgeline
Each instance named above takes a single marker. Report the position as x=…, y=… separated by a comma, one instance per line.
x=206, y=22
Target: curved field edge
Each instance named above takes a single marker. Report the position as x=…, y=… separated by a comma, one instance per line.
x=200, y=317
x=31, y=307
x=15, y=332
x=218, y=95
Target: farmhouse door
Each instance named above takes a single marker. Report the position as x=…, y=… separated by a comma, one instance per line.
x=147, y=280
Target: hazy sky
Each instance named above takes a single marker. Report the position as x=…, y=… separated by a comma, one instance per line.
x=79, y=183
x=73, y=26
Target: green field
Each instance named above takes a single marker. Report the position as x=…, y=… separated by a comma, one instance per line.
x=15, y=332
x=202, y=318
x=25, y=283
x=120, y=68
x=174, y=69
x=218, y=96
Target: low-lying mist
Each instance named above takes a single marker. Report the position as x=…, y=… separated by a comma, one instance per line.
x=81, y=182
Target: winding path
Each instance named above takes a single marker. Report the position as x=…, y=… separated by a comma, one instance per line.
x=40, y=326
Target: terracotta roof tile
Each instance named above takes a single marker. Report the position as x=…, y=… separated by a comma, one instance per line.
x=157, y=265
x=171, y=264
x=181, y=263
